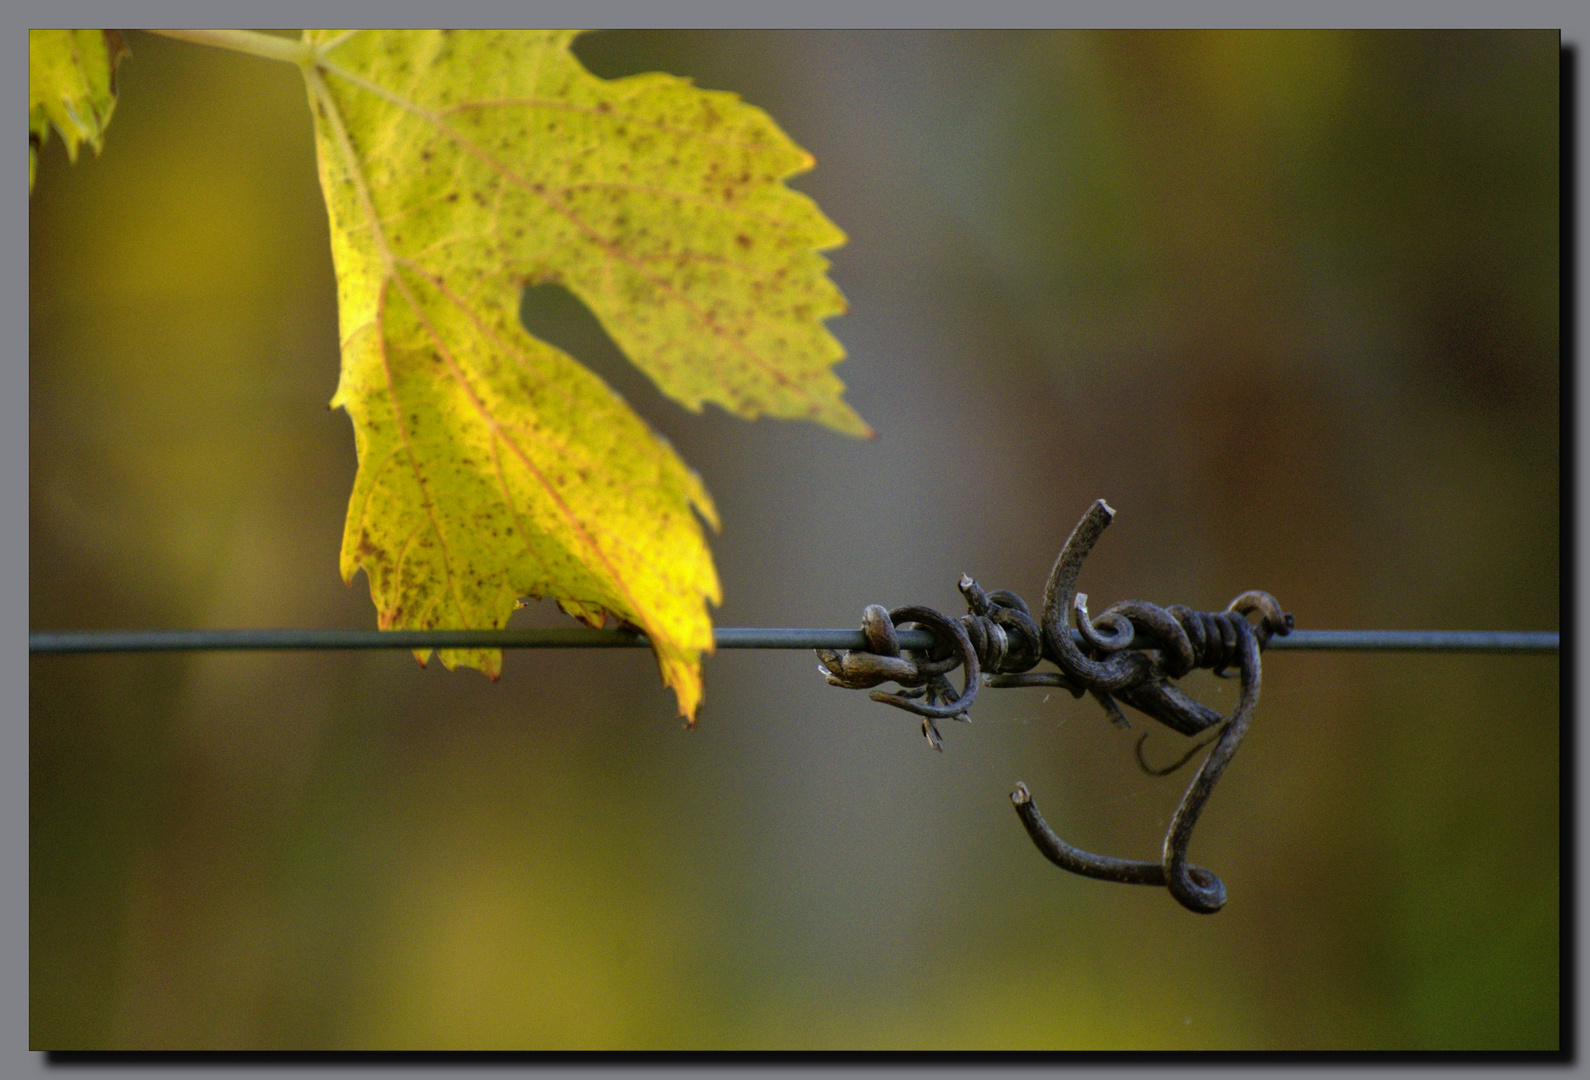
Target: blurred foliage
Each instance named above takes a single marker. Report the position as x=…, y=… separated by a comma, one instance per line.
x=1288, y=300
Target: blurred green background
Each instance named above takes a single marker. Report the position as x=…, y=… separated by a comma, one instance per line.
x=1288, y=300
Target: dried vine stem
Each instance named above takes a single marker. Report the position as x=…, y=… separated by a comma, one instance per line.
x=999, y=642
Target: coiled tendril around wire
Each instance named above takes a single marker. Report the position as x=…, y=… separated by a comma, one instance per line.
x=1128, y=654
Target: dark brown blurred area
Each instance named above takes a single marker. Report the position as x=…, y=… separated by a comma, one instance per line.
x=1289, y=301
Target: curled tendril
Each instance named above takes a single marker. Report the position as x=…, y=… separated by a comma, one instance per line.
x=1129, y=654
x=1121, y=629
x=1166, y=770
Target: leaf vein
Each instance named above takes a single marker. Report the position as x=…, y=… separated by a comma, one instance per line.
x=356, y=174
x=576, y=524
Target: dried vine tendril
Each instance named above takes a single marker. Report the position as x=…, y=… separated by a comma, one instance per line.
x=1129, y=654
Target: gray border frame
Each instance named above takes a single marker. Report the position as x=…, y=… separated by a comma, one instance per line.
x=1572, y=17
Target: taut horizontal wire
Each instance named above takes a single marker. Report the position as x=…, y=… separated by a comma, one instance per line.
x=737, y=637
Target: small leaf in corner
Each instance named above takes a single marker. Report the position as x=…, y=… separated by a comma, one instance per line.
x=72, y=87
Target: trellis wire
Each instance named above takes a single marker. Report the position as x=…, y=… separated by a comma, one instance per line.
x=735, y=637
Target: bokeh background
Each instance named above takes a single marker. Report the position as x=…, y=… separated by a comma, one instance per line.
x=1288, y=300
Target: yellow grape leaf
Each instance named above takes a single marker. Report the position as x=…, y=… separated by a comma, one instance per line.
x=460, y=166
x=71, y=84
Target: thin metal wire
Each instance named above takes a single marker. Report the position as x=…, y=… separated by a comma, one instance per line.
x=48, y=642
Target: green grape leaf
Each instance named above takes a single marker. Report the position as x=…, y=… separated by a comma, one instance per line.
x=72, y=85
x=459, y=167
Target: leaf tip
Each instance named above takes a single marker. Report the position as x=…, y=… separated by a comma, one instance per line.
x=848, y=421
x=684, y=678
